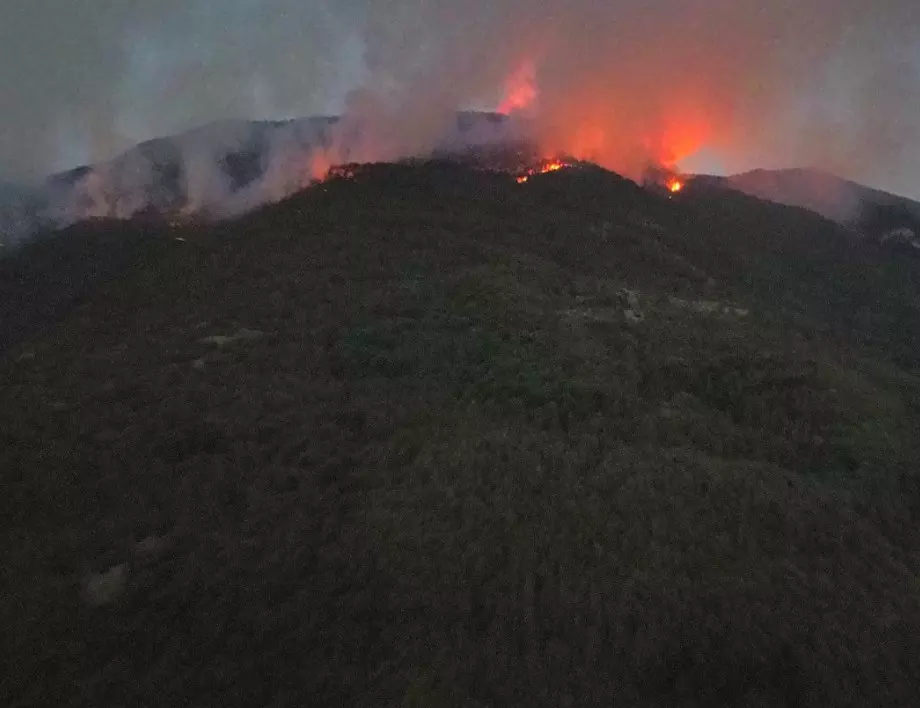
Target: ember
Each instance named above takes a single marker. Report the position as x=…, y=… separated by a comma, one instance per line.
x=542, y=168
x=510, y=162
x=664, y=178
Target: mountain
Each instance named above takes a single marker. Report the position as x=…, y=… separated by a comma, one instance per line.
x=230, y=167
x=877, y=214
x=217, y=171
x=216, y=168
x=426, y=436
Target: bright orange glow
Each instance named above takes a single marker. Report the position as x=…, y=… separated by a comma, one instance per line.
x=598, y=126
x=552, y=165
x=684, y=134
x=675, y=185
x=520, y=89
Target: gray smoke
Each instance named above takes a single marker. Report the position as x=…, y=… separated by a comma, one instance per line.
x=829, y=83
x=222, y=170
x=833, y=83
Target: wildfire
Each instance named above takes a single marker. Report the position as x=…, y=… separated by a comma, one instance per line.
x=520, y=89
x=547, y=166
x=342, y=172
x=674, y=185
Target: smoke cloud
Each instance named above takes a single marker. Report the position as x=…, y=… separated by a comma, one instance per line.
x=829, y=83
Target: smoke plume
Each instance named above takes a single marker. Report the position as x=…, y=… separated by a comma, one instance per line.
x=830, y=83
x=835, y=83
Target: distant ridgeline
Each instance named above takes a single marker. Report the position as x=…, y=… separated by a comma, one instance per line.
x=230, y=167
x=220, y=170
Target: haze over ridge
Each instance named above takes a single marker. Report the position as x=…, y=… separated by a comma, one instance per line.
x=821, y=82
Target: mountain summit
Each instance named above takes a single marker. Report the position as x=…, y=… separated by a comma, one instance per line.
x=231, y=167
x=428, y=435
x=217, y=171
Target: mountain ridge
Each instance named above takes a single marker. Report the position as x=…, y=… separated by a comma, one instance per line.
x=228, y=167
x=429, y=435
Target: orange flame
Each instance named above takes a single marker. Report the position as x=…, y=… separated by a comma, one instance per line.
x=601, y=128
x=552, y=165
x=674, y=185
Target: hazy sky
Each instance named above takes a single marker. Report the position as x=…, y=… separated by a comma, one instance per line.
x=831, y=83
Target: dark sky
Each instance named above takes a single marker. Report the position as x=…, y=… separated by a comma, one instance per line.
x=830, y=83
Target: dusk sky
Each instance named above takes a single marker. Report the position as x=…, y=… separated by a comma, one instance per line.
x=726, y=84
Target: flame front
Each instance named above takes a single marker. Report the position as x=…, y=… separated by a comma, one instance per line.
x=551, y=165
x=674, y=185
x=596, y=125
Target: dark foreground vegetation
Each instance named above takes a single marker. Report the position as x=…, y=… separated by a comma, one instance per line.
x=431, y=438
